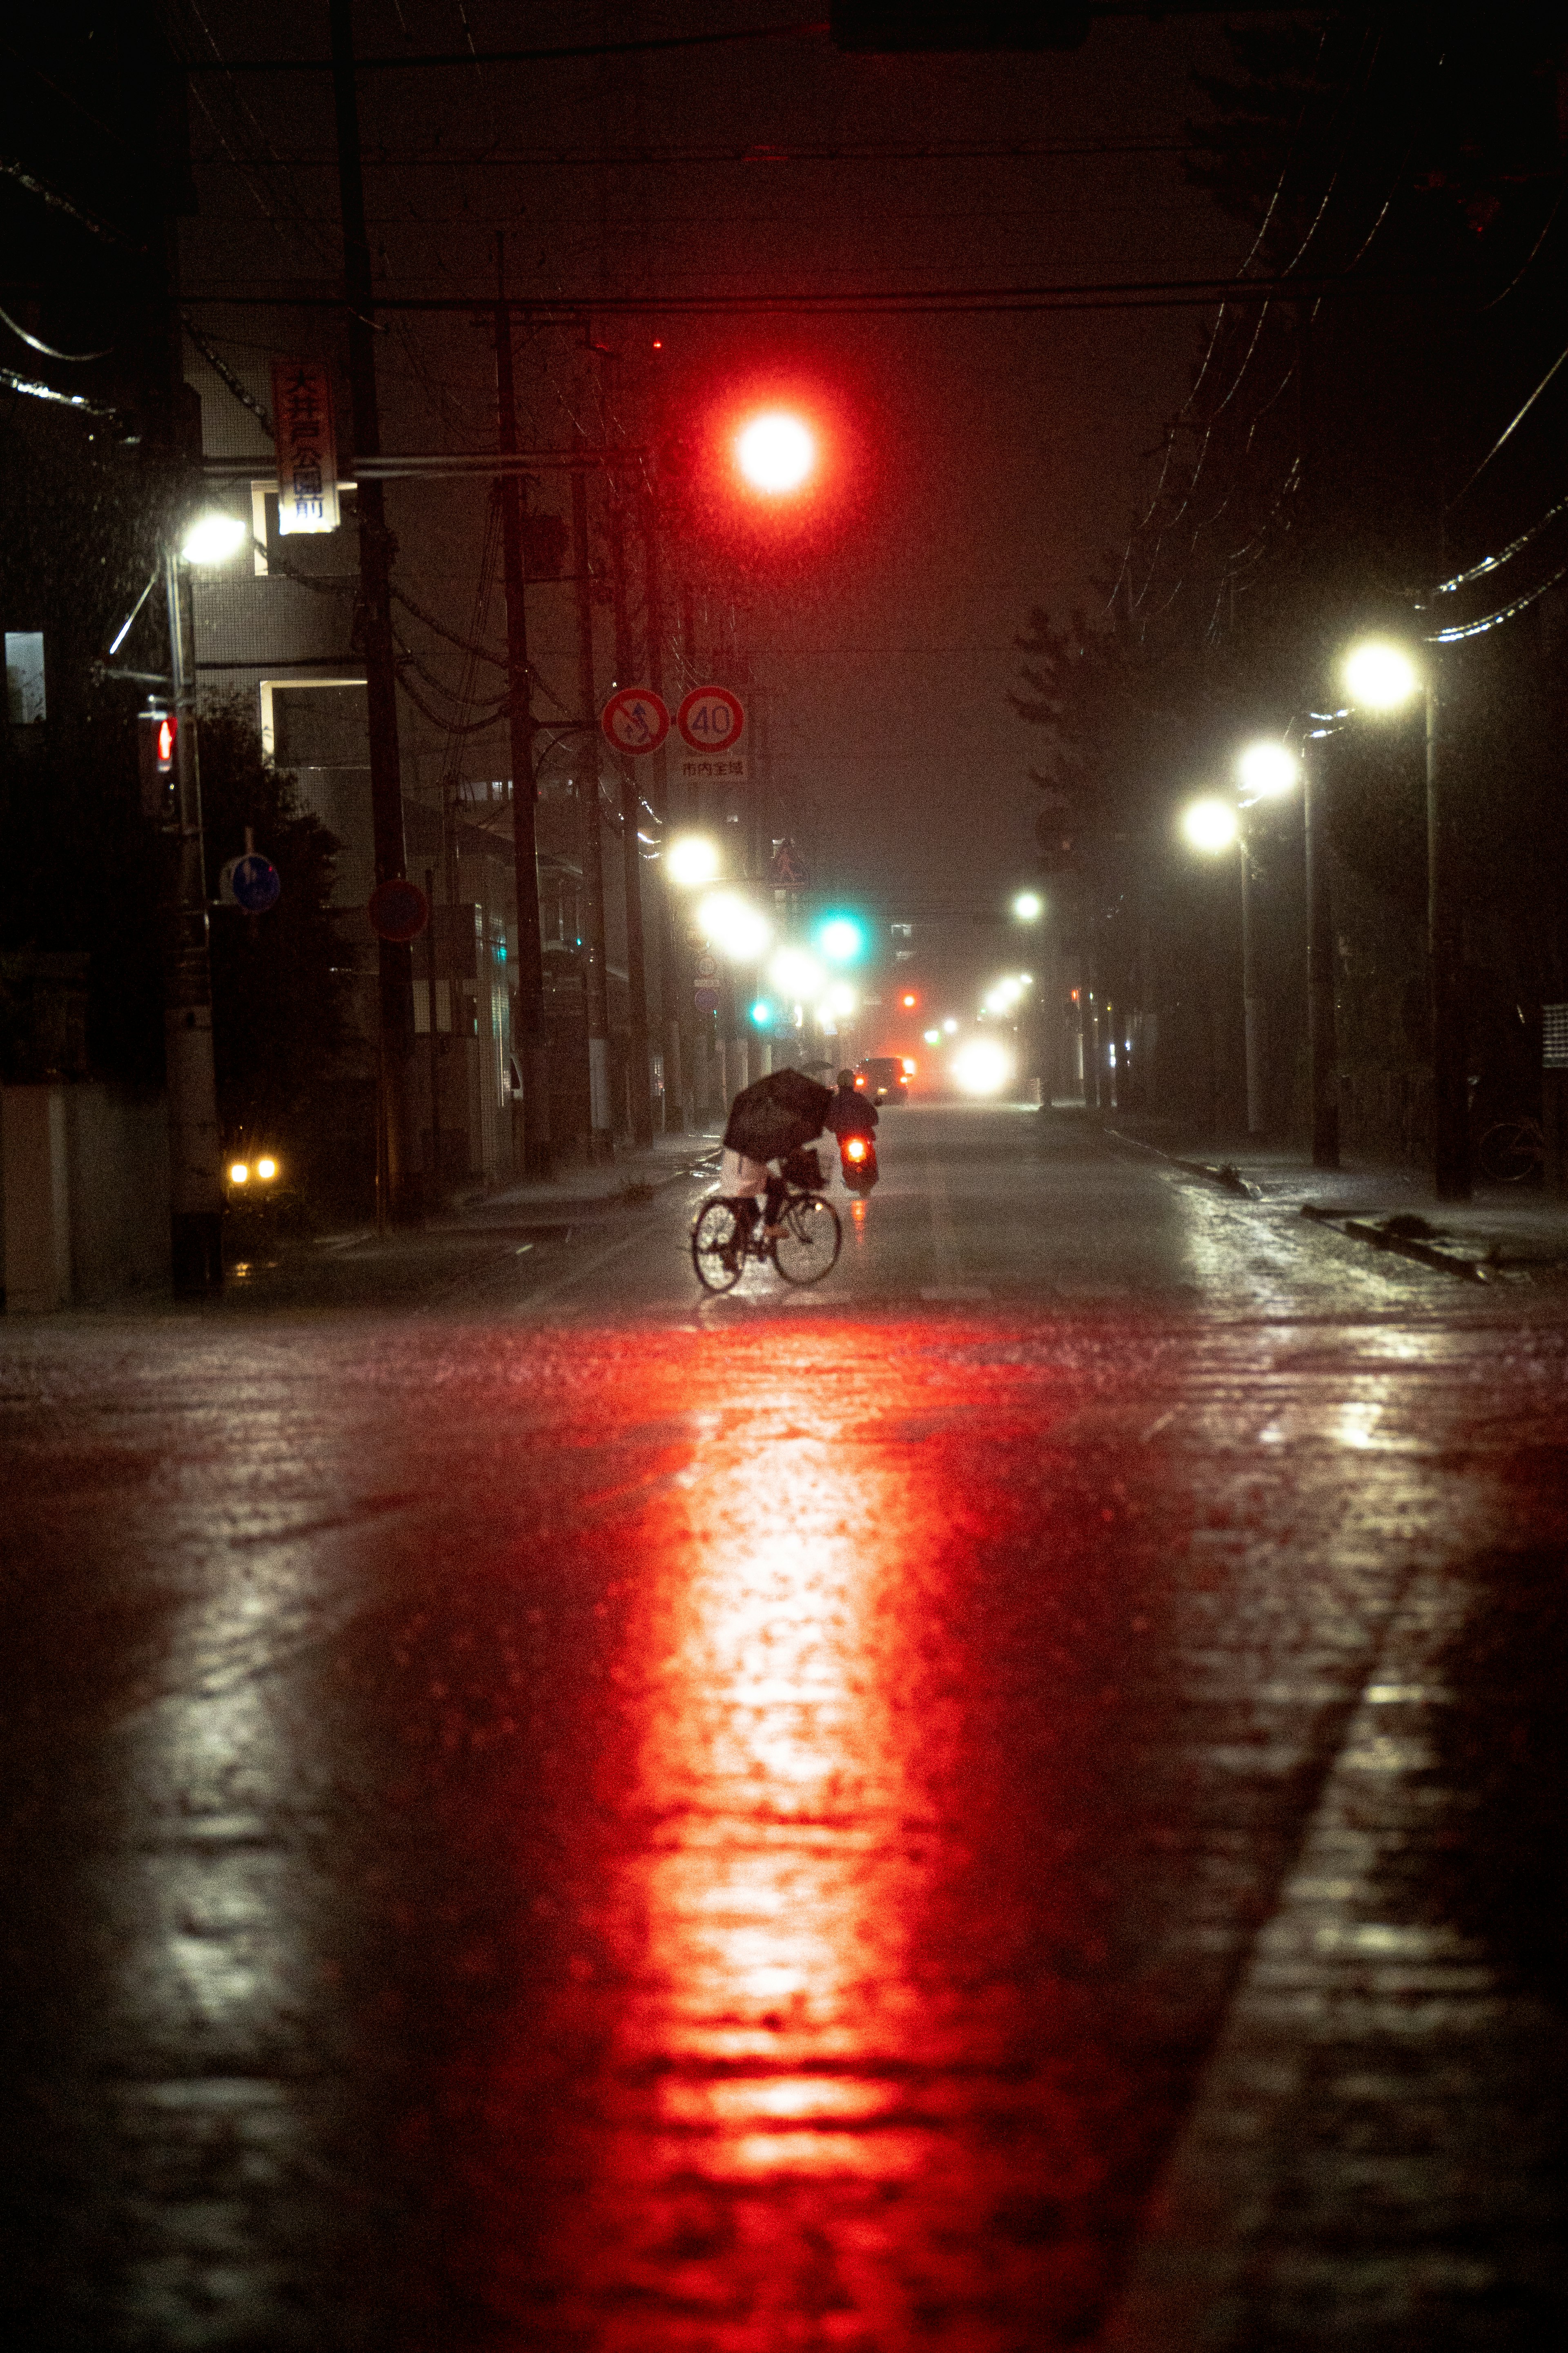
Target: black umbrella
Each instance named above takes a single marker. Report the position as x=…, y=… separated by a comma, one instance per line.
x=777, y=1114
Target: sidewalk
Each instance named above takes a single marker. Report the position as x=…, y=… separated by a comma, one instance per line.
x=582, y=1185
x=1504, y=1229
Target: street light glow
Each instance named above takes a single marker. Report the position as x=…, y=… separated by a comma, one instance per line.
x=1028, y=906
x=1380, y=675
x=1267, y=768
x=214, y=537
x=982, y=1067
x=1210, y=825
x=691, y=859
x=736, y=929
x=775, y=452
x=794, y=973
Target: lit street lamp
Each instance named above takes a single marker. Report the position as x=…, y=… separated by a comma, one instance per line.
x=1382, y=677
x=195, y=1181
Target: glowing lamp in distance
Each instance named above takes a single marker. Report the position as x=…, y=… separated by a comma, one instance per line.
x=1380, y=675
x=762, y=1013
x=239, y=1172
x=931, y=1037
x=214, y=537
x=1028, y=906
x=841, y=939
x=795, y=973
x=1210, y=825
x=266, y=1169
x=1266, y=769
x=776, y=452
x=982, y=1067
x=737, y=929
x=691, y=859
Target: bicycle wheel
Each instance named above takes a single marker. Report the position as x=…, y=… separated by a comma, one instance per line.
x=1511, y=1150
x=808, y=1247
x=718, y=1245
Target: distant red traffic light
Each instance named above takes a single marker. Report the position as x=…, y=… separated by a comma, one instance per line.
x=776, y=452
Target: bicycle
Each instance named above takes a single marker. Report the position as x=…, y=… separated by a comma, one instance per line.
x=807, y=1249
x=1511, y=1150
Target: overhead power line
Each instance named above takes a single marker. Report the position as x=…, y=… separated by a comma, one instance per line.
x=1504, y=613
x=1504, y=555
x=1152, y=293
x=420, y=60
x=1509, y=429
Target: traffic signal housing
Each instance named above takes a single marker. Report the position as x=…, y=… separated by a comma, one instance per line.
x=157, y=735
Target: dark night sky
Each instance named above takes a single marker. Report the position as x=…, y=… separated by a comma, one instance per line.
x=1000, y=457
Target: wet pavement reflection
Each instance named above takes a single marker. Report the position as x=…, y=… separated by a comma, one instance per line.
x=831, y=1831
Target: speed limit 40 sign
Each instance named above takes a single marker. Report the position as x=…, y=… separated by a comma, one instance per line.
x=711, y=718
x=635, y=720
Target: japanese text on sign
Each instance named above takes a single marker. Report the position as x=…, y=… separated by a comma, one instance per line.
x=696, y=772
x=307, y=449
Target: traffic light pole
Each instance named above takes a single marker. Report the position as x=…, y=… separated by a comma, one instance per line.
x=196, y=1195
x=669, y=978
x=531, y=1030
x=396, y=960
x=596, y=986
x=631, y=856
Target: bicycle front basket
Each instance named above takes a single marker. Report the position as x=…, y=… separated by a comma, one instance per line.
x=804, y=1168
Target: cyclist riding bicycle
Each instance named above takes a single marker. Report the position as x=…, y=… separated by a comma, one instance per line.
x=743, y=1180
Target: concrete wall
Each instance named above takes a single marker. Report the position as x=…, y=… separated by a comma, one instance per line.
x=84, y=1195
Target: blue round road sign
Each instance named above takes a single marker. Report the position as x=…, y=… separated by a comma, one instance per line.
x=255, y=882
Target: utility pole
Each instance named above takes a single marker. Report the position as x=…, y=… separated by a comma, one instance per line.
x=1445, y=936
x=669, y=978
x=375, y=551
x=195, y=1200
x=1253, y=1010
x=596, y=986
x=532, y=1039
x=631, y=856
x=1322, y=1047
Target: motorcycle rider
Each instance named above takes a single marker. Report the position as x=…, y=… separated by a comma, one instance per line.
x=850, y=1114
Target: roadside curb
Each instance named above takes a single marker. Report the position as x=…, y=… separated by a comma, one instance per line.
x=1392, y=1233
x=1389, y=1237
x=1226, y=1175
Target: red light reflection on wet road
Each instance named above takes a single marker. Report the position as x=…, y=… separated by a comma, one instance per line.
x=817, y=2112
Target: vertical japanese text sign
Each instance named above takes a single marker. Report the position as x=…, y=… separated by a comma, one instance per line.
x=306, y=453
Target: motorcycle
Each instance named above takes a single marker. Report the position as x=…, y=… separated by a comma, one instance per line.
x=857, y=1161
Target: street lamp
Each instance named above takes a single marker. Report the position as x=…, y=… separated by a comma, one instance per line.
x=739, y=930
x=691, y=860
x=213, y=537
x=1383, y=678
x=1028, y=907
x=1210, y=825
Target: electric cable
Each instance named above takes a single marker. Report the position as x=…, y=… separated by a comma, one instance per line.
x=1504, y=613
x=48, y=351
x=1508, y=430
x=227, y=376
x=76, y=400
x=1504, y=555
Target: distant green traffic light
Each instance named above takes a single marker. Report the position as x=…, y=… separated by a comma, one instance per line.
x=763, y=1014
x=841, y=938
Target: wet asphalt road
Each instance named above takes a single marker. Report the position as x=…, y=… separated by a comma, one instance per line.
x=1015, y=1801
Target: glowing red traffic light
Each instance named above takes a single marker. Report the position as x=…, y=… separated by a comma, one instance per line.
x=776, y=452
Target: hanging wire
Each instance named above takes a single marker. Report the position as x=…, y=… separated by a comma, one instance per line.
x=226, y=375
x=1504, y=613
x=76, y=400
x=48, y=351
x=1504, y=555
x=1509, y=429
